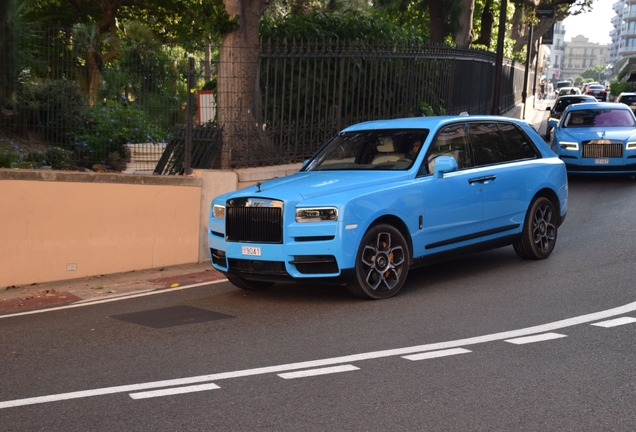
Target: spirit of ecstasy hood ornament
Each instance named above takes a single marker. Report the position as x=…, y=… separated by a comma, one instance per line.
x=258, y=187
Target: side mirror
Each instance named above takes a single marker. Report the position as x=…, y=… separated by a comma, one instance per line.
x=304, y=163
x=553, y=122
x=548, y=109
x=444, y=164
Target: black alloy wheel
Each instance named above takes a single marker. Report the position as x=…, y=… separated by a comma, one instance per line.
x=382, y=263
x=539, y=234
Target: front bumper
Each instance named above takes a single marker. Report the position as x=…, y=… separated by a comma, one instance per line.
x=323, y=251
x=577, y=165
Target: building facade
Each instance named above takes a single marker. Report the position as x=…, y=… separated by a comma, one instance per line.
x=624, y=33
x=554, y=68
x=581, y=54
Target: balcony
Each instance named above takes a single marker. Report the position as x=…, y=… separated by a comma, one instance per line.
x=618, y=6
x=625, y=51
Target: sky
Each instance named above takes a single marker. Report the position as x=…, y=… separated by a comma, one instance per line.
x=594, y=25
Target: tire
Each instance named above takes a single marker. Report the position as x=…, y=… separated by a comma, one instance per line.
x=382, y=264
x=539, y=234
x=547, y=132
x=246, y=284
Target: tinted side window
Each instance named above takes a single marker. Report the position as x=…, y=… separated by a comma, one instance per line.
x=451, y=141
x=489, y=145
x=518, y=144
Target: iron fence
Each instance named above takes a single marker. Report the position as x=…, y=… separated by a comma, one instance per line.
x=129, y=114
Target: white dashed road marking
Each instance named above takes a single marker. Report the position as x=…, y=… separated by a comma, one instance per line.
x=436, y=354
x=353, y=358
x=316, y=372
x=536, y=338
x=615, y=322
x=174, y=391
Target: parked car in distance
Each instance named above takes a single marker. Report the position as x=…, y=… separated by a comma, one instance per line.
x=598, y=91
x=628, y=99
x=596, y=138
x=568, y=91
x=560, y=104
x=367, y=206
x=561, y=84
x=586, y=85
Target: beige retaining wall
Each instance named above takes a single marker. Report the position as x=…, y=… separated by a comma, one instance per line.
x=58, y=225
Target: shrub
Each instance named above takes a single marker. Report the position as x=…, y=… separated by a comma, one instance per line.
x=61, y=110
x=7, y=159
x=110, y=127
x=55, y=157
x=60, y=159
x=36, y=159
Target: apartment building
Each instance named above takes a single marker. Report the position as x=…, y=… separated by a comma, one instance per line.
x=581, y=54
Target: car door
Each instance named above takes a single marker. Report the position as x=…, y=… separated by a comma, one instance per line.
x=453, y=205
x=504, y=156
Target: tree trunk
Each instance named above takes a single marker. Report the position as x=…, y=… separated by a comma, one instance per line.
x=487, y=22
x=465, y=34
x=238, y=89
x=436, y=12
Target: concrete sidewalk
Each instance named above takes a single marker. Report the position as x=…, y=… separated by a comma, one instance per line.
x=15, y=299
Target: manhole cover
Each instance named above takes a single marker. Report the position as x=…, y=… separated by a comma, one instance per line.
x=171, y=317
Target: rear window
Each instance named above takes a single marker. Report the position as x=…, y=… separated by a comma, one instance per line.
x=627, y=99
x=500, y=142
x=563, y=84
x=563, y=103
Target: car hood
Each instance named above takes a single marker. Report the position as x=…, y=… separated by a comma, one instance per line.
x=313, y=184
x=617, y=134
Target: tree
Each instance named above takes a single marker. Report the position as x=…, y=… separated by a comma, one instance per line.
x=90, y=44
x=464, y=34
x=239, y=96
x=524, y=15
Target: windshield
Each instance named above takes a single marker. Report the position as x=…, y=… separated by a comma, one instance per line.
x=604, y=118
x=385, y=149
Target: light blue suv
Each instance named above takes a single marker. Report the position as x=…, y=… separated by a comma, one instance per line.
x=383, y=197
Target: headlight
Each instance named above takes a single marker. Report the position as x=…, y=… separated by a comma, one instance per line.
x=569, y=145
x=218, y=211
x=319, y=214
x=631, y=145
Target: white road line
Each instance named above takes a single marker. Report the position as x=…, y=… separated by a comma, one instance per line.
x=436, y=354
x=320, y=371
x=174, y=391
x=82, y=303
x=536, y=338
x=353, y=358
x=615, y=322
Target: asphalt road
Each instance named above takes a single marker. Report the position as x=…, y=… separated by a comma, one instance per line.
x=449, y=353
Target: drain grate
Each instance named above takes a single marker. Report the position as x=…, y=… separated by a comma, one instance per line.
x=171, y=317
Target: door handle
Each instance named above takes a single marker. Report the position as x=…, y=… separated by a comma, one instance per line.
x=482, y=179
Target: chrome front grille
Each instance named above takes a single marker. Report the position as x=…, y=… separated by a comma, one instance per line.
x=614, y=150
x=258, y=224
